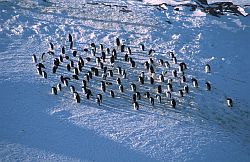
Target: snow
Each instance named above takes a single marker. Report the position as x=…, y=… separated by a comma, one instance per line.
x=38, y=126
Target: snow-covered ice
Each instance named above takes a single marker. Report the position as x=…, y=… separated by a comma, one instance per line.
x=37, y=126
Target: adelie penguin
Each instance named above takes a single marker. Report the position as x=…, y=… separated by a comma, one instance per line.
x=117, y=42
x=121, y=88
x=207, y=68
x=72, y=89
x=138, y=95
x=159, y=89
x=133, y=87
x=97, y=100
x=208, y=86
x=173, y=103
x=135, y=105
x=54, y=90
x=147, y=94
x=70, y=38
x=77, y=97
x=44, y=74
x=229, y=102
x=39, y=70
x=103, y=86
x=151, y=101
x=51, y=46
x=169, y=87
x=141, y=79
x=34, y=59
x=142, y=47
x=151, y=52
x=174, y=73
x=167, y=65
x=161, y=78
x=186, y=89
x=158, y=97
x=194, y=82
x=59, y=87
x=99, y=96
x=168, y=95
x=181, y=93
x=174, y=60
x=112, y=94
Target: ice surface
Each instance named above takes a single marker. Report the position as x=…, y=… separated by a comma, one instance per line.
x=38, y=126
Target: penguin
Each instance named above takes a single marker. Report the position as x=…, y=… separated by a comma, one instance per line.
x=207, y=68
x=229, y=102
x=130, y=60
x=142, y=47
x=66, y=57
x=104, y=76
x=112, y=94
x=40, y=66
x=168, y=94
x=208, y=86
x=167, y=65
x=44, y=74
x=86, y=50
x=142, y=74
x=59, y=87
x=70, y=38
x=81, y=61
x=146, y=65
x=161, y=77
x=97, y=100
x=65, y=82
x=63, y=50
x=181, y=93
x=183, y=65
x=114, y=53
x=68, y=67
x=133, y=87
x=103, y=86
x=90, y=74
x=181, y=68
x=88, y=59
x=151, y=61
x=126, y=57
x=93, y=46
x=141, y=79
x=74, y=53
x=118, y=81
x=42, y=57
x=174, y=60
x=110, y=73
x=133, y=98
x=138, y=95
x=99, y=96
x=112, y=60
x=183, y=79
x=195, y=83
x=129, y=51
x=108, y=51
x=87, y=77
x=161, y=63
x=71, y=63
x=71, y=45
x=170, y=80
x=123, y=48
x=158, y=97
x=186, y=89
x=169, y=87
x=121, y=88
x=147, y=94
x=34, y=59
x=72, y=89
x=61, y=58
x=124, y=75
x=173, y=103
x=151, y=101
x=132, y=63
x=171, y=54
x=76, y=71
x=119, y=70
x=77, y=97
x=54, y=91
x=151, y=69
x=84, y=83
x=101, y=47
x=151, y=52
x=92, y=52
x=159, y=89
x=84, y=90
x=51, y=46
x=103, y=56
x=79, y=66
x=97, y=61
x=151, y=80
x=135, y=105
x=75, y=77
x=174, y=73
x=56, y=62
x=117, y=42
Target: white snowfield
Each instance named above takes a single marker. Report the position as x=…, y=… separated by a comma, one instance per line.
x=38, y=126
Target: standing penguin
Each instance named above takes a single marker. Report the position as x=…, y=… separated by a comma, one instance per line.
x=133, y=87
x=173, y=103
x=208, y=86
x=112, y=94
x=229, y=102
x=54, y=91
x=135, y=105
x=195, y=83
x=151, y=100
x=121, y=88
x=34, y=59
x=207, y=68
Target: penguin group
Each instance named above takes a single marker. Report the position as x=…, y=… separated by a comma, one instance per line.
x=99, y=73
